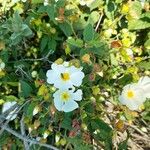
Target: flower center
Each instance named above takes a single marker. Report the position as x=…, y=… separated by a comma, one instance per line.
x=65, y=96
x=130, y=94
x=65, y=76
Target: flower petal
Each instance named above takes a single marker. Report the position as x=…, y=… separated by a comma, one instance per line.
x=62, y=84
x=147, y=91
x=77, y=95
x=144, y=83
x=76, y=78
x=70, y=106
x=73, y=69
x=122, y=99
x=57, y=101
x=133, y=106
x=144, y=80
x=58, y=68
x=51, y=76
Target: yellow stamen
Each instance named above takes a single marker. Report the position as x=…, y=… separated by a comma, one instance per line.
x=130, y=94
x=65, y=96
x=65, y=76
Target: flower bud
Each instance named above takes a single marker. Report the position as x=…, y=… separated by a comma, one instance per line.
x=34, y=74
x=59, y=61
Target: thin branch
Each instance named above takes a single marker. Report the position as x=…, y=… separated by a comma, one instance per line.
x=6, y=113
x=99, y=21
x=15, y=112
x=137, y=129
x=22, y=127
x=45, y=58
x=24, y=138
x=135, y=62
x=136, y=136
x=19, y=68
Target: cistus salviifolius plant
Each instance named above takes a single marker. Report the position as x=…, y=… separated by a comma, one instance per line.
x=74, y=74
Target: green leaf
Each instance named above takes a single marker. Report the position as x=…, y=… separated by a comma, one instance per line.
x=94, y=17
x=4, y=138
x=110, y=8
x=25, y=89
x=61, y=3
x=81, y=23
x=51, y=12
x=147, y=44
x=123, y=145
x=135, y=9
x=66, y=28
x=44, y=42
x=100, y=124
x=146, y=14
x=88, y=33
x=11, y=98
x=99, y=48
x=75, y=42
x=96, y=4
x=37, y=1
x=126, y=79
x=15, y=84
x=104, y=132
x=67, y=121
x=144, y=65
x=47, y=44
x=113, y=60
x=26, y=31
x=4, y=55
x=138, y=24
x=78, y=143
x=29, y=109
x=52, y=44
x=42, y=9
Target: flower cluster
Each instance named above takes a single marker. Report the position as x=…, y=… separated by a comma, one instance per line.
x=135, y=94
x=65, y=78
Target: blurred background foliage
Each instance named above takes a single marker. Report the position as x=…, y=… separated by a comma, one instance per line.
x=109, y=38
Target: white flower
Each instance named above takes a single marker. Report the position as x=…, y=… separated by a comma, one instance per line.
x=12, y=115
x=65, y=100
x=86, y=2
x=64, y=77
x=134, y=95
x=144, y=83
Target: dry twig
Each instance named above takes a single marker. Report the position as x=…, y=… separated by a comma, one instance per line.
x=26, y=139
